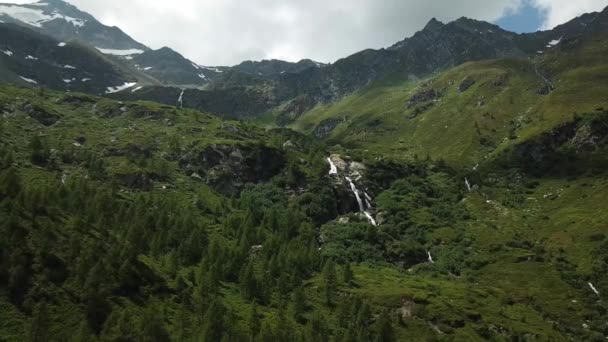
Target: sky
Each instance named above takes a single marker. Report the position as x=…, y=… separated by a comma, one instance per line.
x=227, y=32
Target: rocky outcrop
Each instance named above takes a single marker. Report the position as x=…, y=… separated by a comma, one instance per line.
x=562, y=149
x=423, y=96
x=294, y=109
x=227, y=168
x=136, y=181
x=326, y=127
x=466, y=84
x=45, y=116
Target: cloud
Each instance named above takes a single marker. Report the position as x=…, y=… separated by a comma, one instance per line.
x=561, y=11
x=226, y=32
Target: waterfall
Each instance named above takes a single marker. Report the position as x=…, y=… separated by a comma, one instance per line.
x=180, y=100
x=333, y=169
x=353, y=188
x=594, y=289
x=430, y=257
x=466, y=182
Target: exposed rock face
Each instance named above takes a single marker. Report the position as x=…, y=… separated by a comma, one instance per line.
x=560, y=150
x=136, y=181
x=466, y=84
x=326, y=127
x=422, y=96
x=45, y=116
x=294, y=109
x=227, y=168
x=133, y=151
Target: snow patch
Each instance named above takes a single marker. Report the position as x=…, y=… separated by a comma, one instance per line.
x=196, y=66
x=28, y=80
x=555, y=42
x=67, y=80
x=85, y=79
x=136, y=89
x=31, y=58
x=147, y=68
x=62, y=44
x=214, y=69
x=111, y=90
x=36, y=17
x=116, y=52
x=67, y=66
x=202, y=76
x=7, y=52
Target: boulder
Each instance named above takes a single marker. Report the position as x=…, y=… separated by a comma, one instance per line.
x=466, y=84
x=326, y=127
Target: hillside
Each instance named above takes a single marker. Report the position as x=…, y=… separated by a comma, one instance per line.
x=451, y=187
x=136, y=219
x=472, y=112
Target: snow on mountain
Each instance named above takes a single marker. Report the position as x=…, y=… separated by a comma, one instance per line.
x=117, y=52
x=120, y=88
x=36, y=17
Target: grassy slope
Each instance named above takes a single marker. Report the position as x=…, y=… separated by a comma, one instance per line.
x=377, y=118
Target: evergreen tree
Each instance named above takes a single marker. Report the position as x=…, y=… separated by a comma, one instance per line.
x=384, y=328
x=213, y=322
x=347, y=276
x=152, y=325
x=39, y=327
x=329, y=275
x=248, y=281
x=299, y=304
x=40, y=152
x=254, y=322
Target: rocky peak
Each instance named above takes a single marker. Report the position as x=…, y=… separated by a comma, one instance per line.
x=433, y=25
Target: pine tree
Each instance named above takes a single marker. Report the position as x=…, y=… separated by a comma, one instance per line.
x=348, y=274
x=248, y=281
x=152, y=325
x=329, y=274
x=299, y=304
x=39, y=327
x=40, y=152
x=254, y=322
x=384, y=328
x=213, y=322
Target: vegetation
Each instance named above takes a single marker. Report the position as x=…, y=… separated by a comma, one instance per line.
x=142, y=222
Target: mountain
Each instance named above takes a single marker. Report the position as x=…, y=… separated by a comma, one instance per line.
x=32, y=59
x=272, y=69
x=65, y=22
x=437, y=47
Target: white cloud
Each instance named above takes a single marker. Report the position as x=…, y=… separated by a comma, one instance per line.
x=226, y=32
x=561, y=11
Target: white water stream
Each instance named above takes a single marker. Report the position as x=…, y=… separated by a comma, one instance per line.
x=333, y=169
x=594, y=289
x=180, y=100
x=362, y=207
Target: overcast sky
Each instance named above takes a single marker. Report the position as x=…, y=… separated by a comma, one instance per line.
x=226, y=32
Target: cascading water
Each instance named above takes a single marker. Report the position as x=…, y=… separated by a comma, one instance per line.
x=468, y=185
x=333, y=169
x=430, y=257
x=180, y=100
x=594, y=289
x=362, y=207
